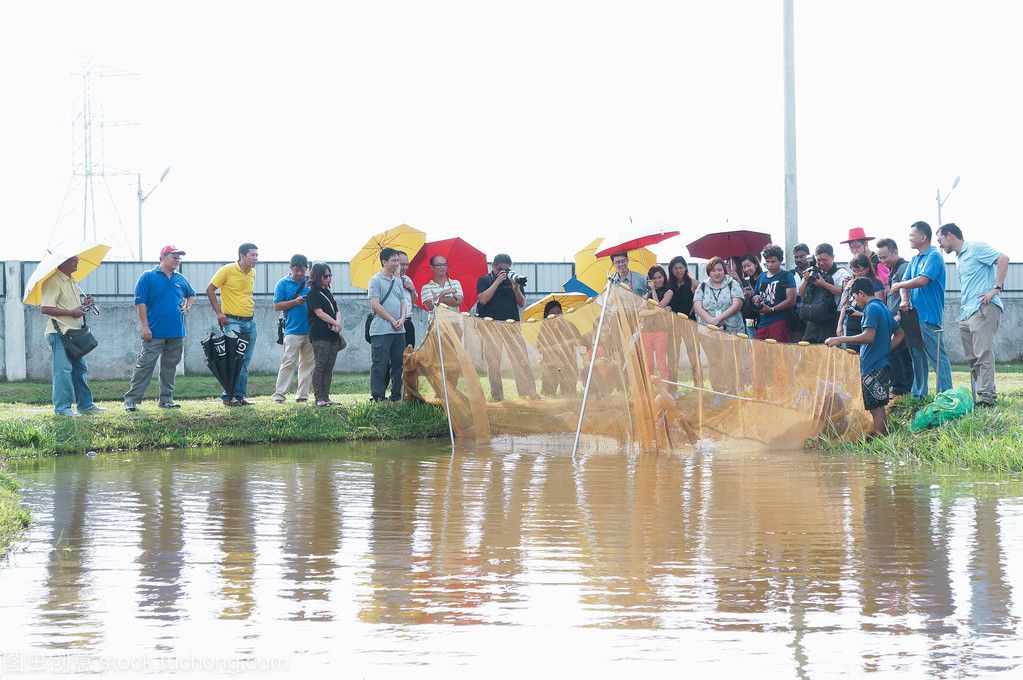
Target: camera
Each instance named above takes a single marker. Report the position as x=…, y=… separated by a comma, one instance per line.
x=514, y=276
x=812, y=274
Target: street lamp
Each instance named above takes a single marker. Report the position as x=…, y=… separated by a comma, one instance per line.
x=941, y=201
x=142, y=199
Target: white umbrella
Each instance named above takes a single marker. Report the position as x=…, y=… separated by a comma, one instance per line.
x=90, y=256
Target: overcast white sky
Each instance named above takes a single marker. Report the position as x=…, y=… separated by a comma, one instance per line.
x=525, y=127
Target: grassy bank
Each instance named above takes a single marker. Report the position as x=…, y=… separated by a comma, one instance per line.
x=34, y=431
x=13, y=518
x=987, y=439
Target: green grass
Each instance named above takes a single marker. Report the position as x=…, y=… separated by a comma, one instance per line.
x=987, y=439
x=13, y=517
x=27, y=431
x=185, y=387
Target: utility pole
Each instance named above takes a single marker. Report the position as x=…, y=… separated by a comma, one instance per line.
x=142, y=199
x=941, y=201
x=791, y=207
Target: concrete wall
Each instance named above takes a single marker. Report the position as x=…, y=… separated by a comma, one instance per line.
x=117, y=330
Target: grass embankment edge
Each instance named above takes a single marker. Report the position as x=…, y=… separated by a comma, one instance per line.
x=209, y=423
x=13, y=518
x=987, y=439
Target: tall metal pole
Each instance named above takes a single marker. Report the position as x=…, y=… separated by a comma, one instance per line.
x=443, y=373
x=138, y=185
x=589, y=373
x=791, y=209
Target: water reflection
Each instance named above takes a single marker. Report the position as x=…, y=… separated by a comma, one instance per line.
x=782, y=554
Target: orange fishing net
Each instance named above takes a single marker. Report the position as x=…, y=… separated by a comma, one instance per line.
x=659, y=380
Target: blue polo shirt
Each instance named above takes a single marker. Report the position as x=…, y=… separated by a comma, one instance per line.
x=976, y=276
x=296, y=319
x=162, y=295
x=928, y=300
x=878, y=317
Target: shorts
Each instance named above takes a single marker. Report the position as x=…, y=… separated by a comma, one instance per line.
x=877, y=387
x=776, y=330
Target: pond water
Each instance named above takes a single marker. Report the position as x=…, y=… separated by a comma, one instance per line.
x=382, y=560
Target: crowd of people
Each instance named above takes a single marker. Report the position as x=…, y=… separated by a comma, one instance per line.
x=887, y=308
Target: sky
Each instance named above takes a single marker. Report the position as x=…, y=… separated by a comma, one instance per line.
x=524, y=127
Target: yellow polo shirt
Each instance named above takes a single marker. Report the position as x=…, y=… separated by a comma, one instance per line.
x=60, y=290
x=235, y=289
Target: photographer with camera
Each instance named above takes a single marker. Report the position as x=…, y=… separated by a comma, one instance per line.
x=500, y=298
x=820, y=293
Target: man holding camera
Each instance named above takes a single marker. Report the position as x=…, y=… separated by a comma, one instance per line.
x=65, y=304
x=900, y=360
x=500, y=298
x=162, y=299
x=820, y=292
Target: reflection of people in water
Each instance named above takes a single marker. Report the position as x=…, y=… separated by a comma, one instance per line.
x=558, y=343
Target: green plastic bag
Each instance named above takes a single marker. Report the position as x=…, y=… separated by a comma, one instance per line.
x=948, y=405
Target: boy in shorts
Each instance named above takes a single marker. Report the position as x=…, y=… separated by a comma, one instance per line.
x=881, y=333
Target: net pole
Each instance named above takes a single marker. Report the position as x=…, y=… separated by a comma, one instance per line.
x=443, y=373
x=589, y=372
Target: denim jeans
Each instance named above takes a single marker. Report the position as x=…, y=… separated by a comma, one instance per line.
x=70, y=379
x=927, y=357
x=248, y=328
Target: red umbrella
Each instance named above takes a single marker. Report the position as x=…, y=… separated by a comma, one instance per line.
x=466, y=265
x=626, y=243
x=727, y=244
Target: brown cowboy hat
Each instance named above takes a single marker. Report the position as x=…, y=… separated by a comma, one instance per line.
x=858, y=234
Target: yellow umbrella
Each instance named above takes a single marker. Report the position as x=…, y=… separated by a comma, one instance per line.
x=593, y=271
x=90, y=255
x=366, y=262
x=568, y=301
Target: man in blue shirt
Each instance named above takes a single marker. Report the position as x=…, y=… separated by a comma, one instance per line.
x=289, y=300
x=881, y=333
x=924, y=290
x=982, y=271
x=163, y=297
x=775, y=293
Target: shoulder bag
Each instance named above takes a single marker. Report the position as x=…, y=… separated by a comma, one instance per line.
x=369, y=319
x=77, y=341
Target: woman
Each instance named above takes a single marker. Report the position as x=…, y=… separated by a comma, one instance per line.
x=558, y=343
x=324, y=331
x=681, y=285
x=850, y=317
x=652, y=324
x=750, y=272
x=717, y=302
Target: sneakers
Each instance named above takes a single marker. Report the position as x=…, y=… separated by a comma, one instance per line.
x=130, y=407
x=280, y=400
x=70, y=414
x=302, y=399
x=92, y=409
x=168, y=404
x=244, y=402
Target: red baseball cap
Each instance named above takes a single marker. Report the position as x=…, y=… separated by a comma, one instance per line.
x=167, y=250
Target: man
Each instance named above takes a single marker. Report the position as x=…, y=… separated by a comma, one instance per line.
x=500, y=298
x=924, y=289
x=801, y=256
x=64, y=303
x=633, y=281
x=881, y=332
x=235, y=282
x=387, y=329
x=409, y=291
x=440, y=288
x=289, y=299
x=982, y=271
x=859, y=244
x=900, y=360
x=821, y=292
x=163, y=297
x=775, y=292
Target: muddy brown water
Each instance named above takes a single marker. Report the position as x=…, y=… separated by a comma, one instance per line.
x=383, y=560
